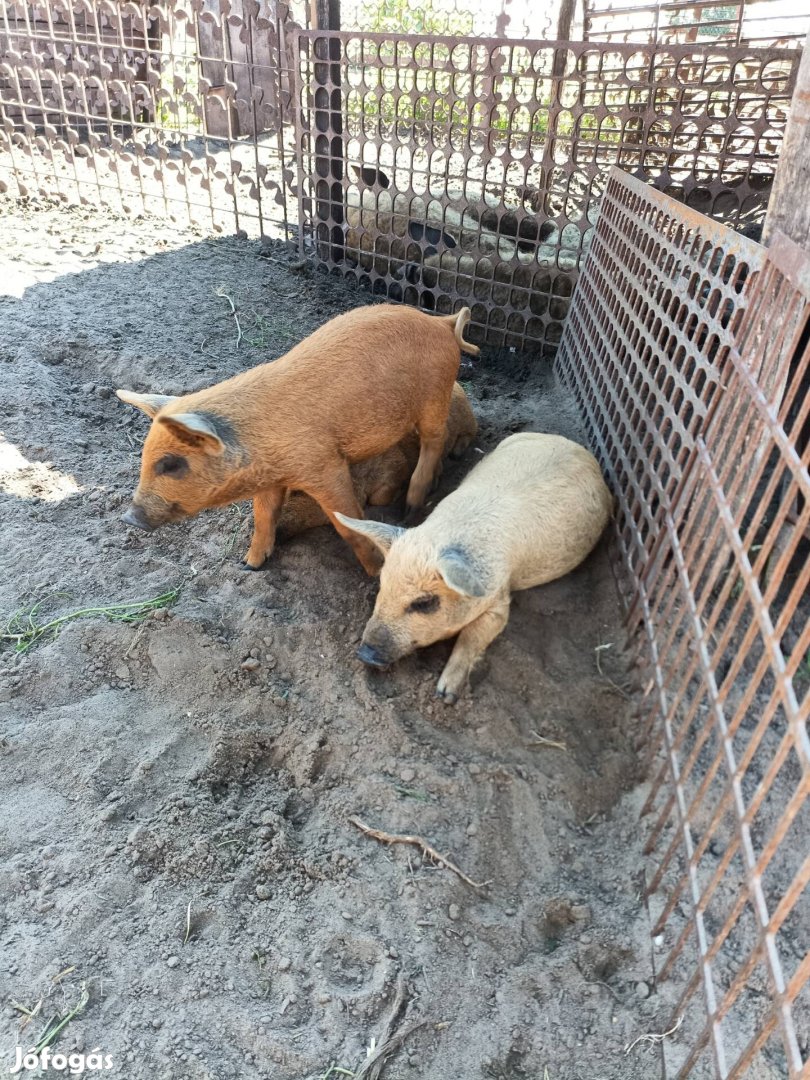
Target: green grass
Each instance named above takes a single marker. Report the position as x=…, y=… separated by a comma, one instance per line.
x=25, y=628
x=57, y=1022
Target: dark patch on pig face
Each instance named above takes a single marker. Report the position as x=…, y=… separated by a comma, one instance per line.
x=181, y=476
x=425, y=605
x=172, y=465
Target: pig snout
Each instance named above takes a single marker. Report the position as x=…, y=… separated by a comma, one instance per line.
x=136, y=517
x=372, y=656
x=148, y=510
x=378, y=647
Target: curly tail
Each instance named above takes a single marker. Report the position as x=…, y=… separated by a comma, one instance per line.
x=459, y=321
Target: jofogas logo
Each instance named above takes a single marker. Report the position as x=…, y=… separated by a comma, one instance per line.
x=73, y=1064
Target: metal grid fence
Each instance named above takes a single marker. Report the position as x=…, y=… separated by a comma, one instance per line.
x=174, y=109
x=703, y=430
x=677, y=22
x=455, y=170
x=436, y=170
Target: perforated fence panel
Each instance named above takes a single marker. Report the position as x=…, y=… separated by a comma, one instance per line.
x=704, y=435
x=669, y=22
x=453, y=171
x=174, y=109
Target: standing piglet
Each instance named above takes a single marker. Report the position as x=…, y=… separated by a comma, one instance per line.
x=528, y=513
x=347, y=393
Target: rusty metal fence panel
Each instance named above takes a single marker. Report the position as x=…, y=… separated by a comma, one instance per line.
x=175, y=109
x=671, y=22
x=454, y=170
x=715, y=539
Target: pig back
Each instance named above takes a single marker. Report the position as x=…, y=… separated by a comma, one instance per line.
x=367, y=378
x=534, y=508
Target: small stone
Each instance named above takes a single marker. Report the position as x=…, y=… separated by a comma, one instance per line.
x=122, y=672
x=473, y=769
x=407, y=775
x=454, y=912
x=251, y=664
x=160, y=614
x=173, y=961
x=285, y=963
x=347, y=915
x=642, y=990
x=581, y=912
x=263, y=892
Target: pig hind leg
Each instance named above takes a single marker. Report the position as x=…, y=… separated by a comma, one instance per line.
x=432, y=432
x=266, y=511
x=471, y=644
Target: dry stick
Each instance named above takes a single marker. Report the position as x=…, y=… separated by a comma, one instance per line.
x=651, y=1037
x=221, y=292
x=423, y=845
x=543, y=741
x=607, y=678
x=374, y=1064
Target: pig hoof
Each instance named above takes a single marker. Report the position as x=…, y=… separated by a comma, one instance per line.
x=411, y=514
x=244, y=565
x=447, y=696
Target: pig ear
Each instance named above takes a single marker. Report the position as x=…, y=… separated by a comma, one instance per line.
x=149, y=403
x=459, y=572
x=380, y=534
x=194, y=430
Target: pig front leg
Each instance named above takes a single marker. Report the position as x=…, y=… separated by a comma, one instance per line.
x=335, y=494
x=266, y=511
x=471, y=644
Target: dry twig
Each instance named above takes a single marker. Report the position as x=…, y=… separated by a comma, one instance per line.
x=651, y=1037
x=541, y=740
x=416, y=841
x=391, y=1040
x=222, y=291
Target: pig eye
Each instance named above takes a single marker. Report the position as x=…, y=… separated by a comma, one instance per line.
x=423, y=605
x=171, y=465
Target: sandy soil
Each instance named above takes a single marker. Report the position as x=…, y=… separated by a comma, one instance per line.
x=207, y=759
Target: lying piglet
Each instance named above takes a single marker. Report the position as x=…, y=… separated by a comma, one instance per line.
x=529, y=512
x=347, y=393
x=381, y=480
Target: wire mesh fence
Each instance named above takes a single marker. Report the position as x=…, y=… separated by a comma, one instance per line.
x=696, y=400
x=454, y=170
x=677, y=22
x=173, y=109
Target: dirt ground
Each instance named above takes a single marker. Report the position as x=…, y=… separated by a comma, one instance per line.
x=176, y=791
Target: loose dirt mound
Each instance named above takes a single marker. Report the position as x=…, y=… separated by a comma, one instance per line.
x=206, y=760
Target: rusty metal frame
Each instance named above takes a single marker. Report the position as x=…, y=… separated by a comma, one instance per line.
x=474, y=167
x=716, y=586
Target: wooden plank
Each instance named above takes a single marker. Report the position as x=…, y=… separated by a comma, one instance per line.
x=789, y=207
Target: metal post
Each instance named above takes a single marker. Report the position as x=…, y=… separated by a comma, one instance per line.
x=328, y=121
